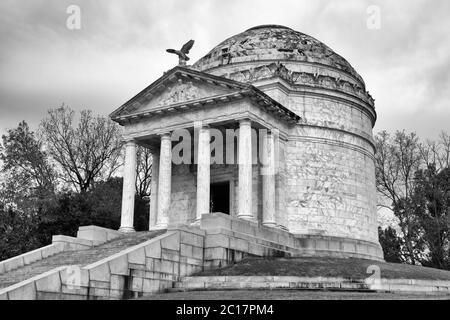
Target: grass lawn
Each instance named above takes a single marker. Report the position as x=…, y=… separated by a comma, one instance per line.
x=325, y=267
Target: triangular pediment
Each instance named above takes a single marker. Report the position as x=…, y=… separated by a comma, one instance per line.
x=182, y=88
x=177, y=87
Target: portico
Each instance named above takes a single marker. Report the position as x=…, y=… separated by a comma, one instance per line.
x=223, y=117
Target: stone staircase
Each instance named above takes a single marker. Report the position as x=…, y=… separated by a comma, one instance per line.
x=121, y=266
x=76, y=257
x=118, y=266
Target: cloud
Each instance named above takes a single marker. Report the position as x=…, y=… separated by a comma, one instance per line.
x=120, y=49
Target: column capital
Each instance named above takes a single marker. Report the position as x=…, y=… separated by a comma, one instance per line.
x=165, y=135
x=200, y=124
x=245, y=121
x=128, y=140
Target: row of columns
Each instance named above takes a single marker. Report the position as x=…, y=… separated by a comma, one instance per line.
x=162, y=176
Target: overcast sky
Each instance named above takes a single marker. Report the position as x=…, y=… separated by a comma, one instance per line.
x=120, y=49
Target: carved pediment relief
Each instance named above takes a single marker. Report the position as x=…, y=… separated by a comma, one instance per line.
x=182, y=91
x=176, y=92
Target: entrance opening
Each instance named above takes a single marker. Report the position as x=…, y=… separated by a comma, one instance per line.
x=220, y=197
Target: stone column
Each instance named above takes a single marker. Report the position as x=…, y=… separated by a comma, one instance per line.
x=154, y=190
x=165, y=182
x=245, y=170
x=129, y=188
x=203, y=172
x=268, y=180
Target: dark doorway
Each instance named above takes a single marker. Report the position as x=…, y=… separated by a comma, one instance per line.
x=220, y=197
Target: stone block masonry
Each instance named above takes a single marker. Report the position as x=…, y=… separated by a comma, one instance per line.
x=312, y=283
x=149, y=267
x=155, y=265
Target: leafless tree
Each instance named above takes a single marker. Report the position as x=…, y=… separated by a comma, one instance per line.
x=86, y=152
x=444, y=140
x=143, y=171
x=397, y=159
x=436, y=152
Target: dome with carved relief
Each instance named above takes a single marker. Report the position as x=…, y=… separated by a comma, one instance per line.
x=273, y=43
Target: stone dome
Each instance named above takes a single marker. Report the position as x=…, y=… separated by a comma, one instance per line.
x=327, y=177
x=274, y=42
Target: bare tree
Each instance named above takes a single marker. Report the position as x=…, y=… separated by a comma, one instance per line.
x=143, y=171
x=28, y=176
x=444, y=158
x=437, y=153
x=429, y=152
x=398, y=158
x=85, y=153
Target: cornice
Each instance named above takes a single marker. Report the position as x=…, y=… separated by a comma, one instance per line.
x=325, y=93
x=313, y=80
x=267, y=62
x=127, y=114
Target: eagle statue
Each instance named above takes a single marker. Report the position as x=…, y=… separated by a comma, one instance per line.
x=182, y=54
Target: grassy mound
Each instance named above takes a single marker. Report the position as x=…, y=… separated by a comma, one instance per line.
x=326, y=267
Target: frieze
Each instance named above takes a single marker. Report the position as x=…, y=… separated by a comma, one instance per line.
x=277, y=69
x=180, y=91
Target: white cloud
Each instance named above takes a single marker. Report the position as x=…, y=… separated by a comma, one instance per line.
x=121, y=49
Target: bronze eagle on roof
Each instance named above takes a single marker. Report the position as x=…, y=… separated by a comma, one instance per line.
x=182, y=54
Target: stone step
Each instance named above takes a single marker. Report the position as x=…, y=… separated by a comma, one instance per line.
x=78, y=257
x=174, y=290
x=214, y=283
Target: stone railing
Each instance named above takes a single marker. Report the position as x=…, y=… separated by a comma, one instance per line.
x=87, y=237
x=145, y=268
x=30, y=257
x=59, y=244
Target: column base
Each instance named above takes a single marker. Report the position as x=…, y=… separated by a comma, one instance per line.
x=270, y=224
x=127, y=229
x=245, y=216
x=159, y=227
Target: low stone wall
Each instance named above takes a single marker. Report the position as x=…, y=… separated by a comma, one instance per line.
x=59, y=243
x=97, y=235
x=30, y=257
x=229, y=239
x=30, y=288
x=327, y=246
x=409, y=285
x=312, y=283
